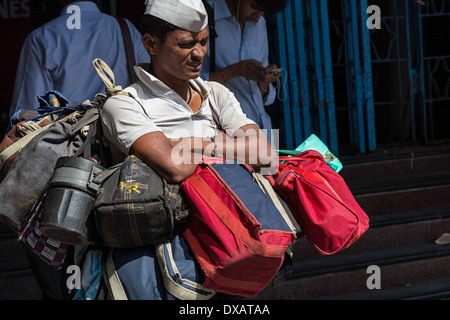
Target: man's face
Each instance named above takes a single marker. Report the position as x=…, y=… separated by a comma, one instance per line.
x=181, y=55
x=249, y=11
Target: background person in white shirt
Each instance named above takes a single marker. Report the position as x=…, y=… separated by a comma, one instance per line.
x=242, y=55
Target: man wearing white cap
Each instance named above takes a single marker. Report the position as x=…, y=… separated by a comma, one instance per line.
x=176, y=103
x=175, y=115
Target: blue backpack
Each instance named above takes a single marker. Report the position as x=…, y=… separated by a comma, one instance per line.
x=166, y=271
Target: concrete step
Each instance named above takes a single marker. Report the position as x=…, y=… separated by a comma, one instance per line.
x=426, y=290
x=396, y=183
x=348, y=274
x=385, y=236
x=404, y=200
x=367, y=169
x=399, y=182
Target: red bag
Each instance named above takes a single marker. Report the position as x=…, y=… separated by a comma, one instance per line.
x=321, y=202
x=236, y=233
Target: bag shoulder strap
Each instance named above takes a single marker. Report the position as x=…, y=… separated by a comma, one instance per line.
x=112, y=279
x=181, y=288
x=18, y=145
x=107, y=75
x=129, y=49
x=215, y=115
x=212, y=35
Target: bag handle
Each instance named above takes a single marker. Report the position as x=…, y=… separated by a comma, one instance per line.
x=289, y=152
x=308, y=174
x=107, y=75
x=311, y=175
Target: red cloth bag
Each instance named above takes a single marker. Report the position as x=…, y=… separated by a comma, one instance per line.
x=236, y=253
x=321, y=202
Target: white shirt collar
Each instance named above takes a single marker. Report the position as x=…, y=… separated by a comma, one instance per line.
x=221, y=10
x=159, y=88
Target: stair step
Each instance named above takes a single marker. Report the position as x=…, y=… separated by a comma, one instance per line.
x=404, y=200
x=377, y=238
x=395, y=183
x=348, y=274
x=368, y=169
x=436, y=289
x=337, y=263
x=428, y=213
x=399, y=182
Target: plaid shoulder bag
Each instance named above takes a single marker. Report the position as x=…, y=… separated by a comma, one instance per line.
x=135, y=207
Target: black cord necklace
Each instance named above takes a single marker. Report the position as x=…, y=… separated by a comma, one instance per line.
x=190, y=93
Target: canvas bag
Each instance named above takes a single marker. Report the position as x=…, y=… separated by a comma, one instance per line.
x=235, y=231
x=139, y=212
x=26, y=124
x=134, y=206
x=321, y=202
x=133, y=274
x=14, y=141
x=180, y=272
x=65, y=223
x=33, y=167
x=166, y=271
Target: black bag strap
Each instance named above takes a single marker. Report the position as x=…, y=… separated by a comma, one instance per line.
x=215, y=117
x=129, y=49
x=89, y=119
x=212, y=36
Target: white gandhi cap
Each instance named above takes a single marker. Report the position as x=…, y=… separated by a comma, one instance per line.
x=189, y=15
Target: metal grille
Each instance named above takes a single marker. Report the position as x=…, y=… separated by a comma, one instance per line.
x=359, y=88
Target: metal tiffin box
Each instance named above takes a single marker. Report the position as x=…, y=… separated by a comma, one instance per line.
x=66, y=214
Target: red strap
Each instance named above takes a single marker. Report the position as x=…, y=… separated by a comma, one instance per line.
x=212, y=160
x=271, y=179
x=306, y=155
x=228, y=218
x=308, y=174
x=311, y=175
